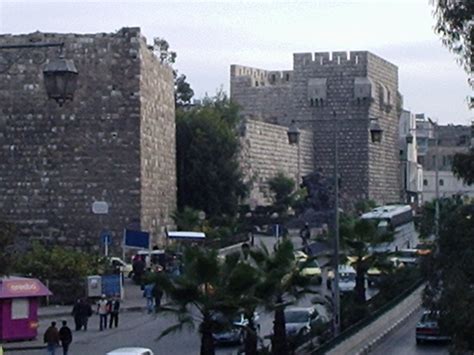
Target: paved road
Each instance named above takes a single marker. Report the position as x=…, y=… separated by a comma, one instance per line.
x=402, y=341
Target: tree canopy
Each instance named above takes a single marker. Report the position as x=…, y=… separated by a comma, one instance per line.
x=463, y=166
x=451, y=277
x=209, y=176
x=454, y=26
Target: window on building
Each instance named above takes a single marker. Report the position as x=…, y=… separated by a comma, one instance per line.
x=287, y=77
x=425, y=182
x=441, y=182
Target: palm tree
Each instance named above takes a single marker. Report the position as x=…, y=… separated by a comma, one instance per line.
x=197, y=294
x=360, y=237
x=243, y=283
x=281, y=283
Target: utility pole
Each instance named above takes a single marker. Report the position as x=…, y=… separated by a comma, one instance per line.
x=435, y=134
x=336, y=293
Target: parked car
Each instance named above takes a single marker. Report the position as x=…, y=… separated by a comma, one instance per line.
x=231, y=331
x=130, y=351
x=124, y=267
x=427, y=329
x=299, y=321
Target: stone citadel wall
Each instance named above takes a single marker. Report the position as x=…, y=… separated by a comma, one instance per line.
x=265, y=152
x=113, y=143
x=328, y=89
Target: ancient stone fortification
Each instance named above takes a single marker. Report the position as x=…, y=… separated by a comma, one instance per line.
x=115, y=142
x=265, y=152
x=357, y=87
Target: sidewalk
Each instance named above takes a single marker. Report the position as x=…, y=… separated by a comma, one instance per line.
x=133, y=301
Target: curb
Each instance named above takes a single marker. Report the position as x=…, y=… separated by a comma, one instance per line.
x=372, y=344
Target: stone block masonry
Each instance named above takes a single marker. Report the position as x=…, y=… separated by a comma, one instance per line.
x=115, y=142
x=357, y=87
x=265, y=152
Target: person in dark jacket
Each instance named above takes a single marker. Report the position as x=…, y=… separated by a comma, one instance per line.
x=65, y=336
x=51, y=338
x=85, y=312
x=114, y=311
x=157, y=295
x=76, y=313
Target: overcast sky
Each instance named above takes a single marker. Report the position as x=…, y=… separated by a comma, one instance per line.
x=210, y=36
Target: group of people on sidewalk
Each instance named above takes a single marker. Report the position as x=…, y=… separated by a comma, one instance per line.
x=153, y=294
x=108, y=308
x=82, y=311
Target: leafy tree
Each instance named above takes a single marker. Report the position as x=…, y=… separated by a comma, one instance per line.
x=454, y=26
x=463, y=166
x=209, y=176
x=161, y=48
x=183, y=93
x=282, y=188
x=450, y=279
x=64, y=269
x=360, y=237
x=281, y=284
x=6, y=245
x=426, y=225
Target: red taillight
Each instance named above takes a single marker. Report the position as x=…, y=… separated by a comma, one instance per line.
x=427, y=330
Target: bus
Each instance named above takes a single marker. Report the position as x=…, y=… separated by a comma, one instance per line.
x=396, y=219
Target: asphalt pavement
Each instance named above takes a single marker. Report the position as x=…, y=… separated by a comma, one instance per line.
x=402, y=341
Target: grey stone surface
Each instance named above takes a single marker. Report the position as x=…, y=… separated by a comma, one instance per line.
x=265, y=152
x=356, y=87
x=115, y=142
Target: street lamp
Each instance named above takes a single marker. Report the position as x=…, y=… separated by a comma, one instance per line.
x=294, y=138
x=60, y=74
x=376, y=135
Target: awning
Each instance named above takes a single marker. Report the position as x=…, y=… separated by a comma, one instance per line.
x=187, y=235
x=15, y=287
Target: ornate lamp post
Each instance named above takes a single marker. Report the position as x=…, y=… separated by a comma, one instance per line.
x=60, y=74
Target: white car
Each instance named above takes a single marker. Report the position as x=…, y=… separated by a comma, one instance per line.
x=124, y=267
x=347, y=278
x=131, y=351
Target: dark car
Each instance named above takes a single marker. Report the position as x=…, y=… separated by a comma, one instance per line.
x=428, y=329
x=231, y=331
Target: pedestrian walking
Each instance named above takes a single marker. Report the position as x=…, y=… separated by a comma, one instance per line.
x=148, y=294
x=51, y=338
x=76, y=313
x=103, y=311
x=114, y=311
x=157, y=295
x=65, y=336
x=85, y=312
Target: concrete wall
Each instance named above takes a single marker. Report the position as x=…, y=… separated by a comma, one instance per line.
x=56, y=161
x=265, y=152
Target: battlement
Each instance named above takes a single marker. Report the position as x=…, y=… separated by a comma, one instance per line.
x=330, y=58
x=261, y=77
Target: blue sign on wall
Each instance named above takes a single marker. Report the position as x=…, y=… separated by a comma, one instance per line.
x=106, y=237
x=136, y=239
